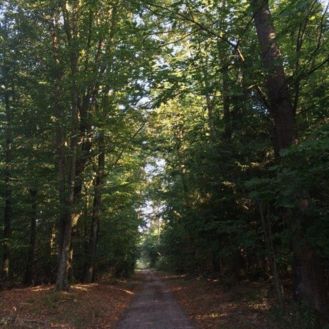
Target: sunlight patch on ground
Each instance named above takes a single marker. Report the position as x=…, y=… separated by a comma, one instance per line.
x=211, y=316
x=128, y=292
x=41, y=288
x=261, y=306
x=84, y=287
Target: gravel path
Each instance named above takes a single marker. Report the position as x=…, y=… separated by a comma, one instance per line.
x=154, y=307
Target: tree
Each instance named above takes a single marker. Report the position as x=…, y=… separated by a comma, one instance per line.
x=309, y=285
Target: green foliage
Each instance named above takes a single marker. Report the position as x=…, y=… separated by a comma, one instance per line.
x=40, y=42
x=150, y=252
x=179, y=83
x=230, y=206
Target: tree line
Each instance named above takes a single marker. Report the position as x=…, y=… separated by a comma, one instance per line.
x=72, y=75
x=231, y=95
x=245, y=141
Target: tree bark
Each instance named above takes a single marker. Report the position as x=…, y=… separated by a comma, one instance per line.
x=64, y=262
x=64, y=183
x=7, y=216
x=310, y=284
x=210, y=103
x=97, y=208
x=90, y=269
x=31, y=250
x=227, y=134
x=277, y=88
x=79, y=152
x=82, y=101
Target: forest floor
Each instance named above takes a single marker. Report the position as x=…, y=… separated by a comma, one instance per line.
x=85, y=306
x=137, y=303
x=210, y=305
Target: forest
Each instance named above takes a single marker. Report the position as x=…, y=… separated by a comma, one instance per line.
x=193, y=134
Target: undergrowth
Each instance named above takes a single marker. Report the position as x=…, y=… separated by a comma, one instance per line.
x=297, y=316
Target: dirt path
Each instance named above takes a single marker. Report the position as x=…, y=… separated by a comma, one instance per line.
x=154, y=307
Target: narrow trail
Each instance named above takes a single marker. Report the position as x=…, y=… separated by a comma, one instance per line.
x=154, y=307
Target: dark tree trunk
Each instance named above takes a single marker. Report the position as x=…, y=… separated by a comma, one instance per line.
x=7, y=216
x=210, y=103
x=97, y=208
x=309, y=275
x=7, y=230
x=80, y=154
x=268, y=239
x=75, y=168
x=65, y=231
x=31, y=250
x=65, y=185
x=226, y=107
x=62, y=282
x=81, y=104
x=277, y=88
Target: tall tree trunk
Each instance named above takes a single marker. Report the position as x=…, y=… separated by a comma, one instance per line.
x=90, y=266
x=7, y=220
x=226, y=107
x=62, y=282
x=82, y=101
x=97, y=208
x=31, y=250
x=309, y=274
x=210, y=102
x=80, y=146
x=277, y=88
x=65, y=257
x=64, y=183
